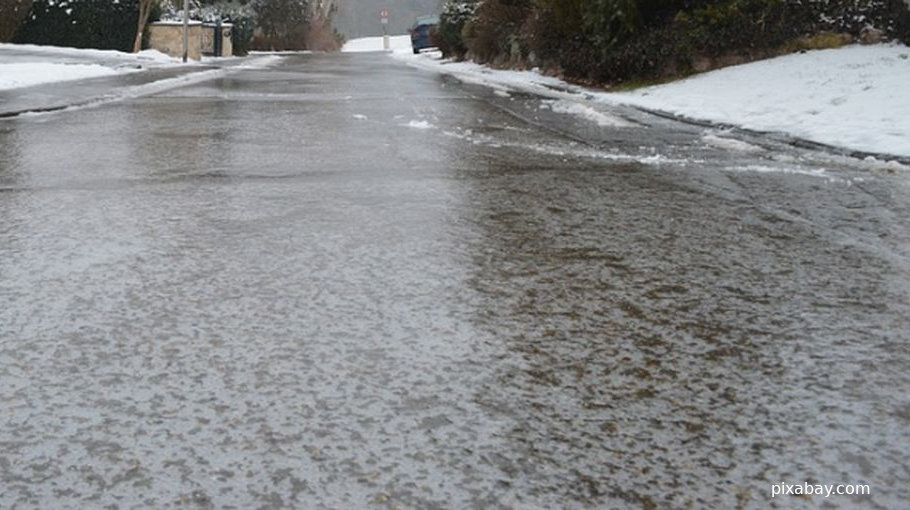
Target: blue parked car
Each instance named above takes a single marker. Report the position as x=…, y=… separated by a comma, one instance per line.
x=420, y=33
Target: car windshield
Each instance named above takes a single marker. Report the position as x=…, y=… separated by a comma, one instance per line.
x=426, y=21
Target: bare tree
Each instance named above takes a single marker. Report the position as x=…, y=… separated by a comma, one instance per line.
x=12, y=15
x=323, y=8
x=145, y=9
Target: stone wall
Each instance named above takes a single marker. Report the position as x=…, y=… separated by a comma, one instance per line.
x=167, y=37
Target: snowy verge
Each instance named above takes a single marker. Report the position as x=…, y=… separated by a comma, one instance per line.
x=397, y=43
x=49, y=53
x=13, y=76
x=853, y=97
x=157, y=87
x=25, y=65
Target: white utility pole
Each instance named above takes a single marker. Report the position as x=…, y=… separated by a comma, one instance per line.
x=186, y=29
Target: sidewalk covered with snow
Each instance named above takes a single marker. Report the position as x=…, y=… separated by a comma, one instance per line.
x=43, y=79
x=24, y=65
x=19, y=75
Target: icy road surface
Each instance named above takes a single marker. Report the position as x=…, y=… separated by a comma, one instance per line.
x=342, y=282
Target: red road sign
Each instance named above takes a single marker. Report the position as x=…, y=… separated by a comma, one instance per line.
x=384, y=14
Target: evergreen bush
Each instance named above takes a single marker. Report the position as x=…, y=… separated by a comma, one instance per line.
x=613, y=41
x=100, y=24
x=448, y=35
x=12, y=15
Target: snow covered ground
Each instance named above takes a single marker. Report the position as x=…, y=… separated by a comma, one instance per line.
x=853, y=97
x=23, y=65
x=35, y=73
x=398, y=44
x=27, y=65
x=144, y=56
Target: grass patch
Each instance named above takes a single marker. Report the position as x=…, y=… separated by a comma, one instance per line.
x=820, y=41
x=628, y=86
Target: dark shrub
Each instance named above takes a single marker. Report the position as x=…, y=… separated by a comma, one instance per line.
x=744, y=24
x=448, y=35
x=12, y=15
x=612, y=41
x=101, y=24
x=493, y=34
x=892, y=16
x=283, y=24
x=242, y=33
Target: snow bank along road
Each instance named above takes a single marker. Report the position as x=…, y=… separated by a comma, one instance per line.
x=14, y=76
x=853, y=97
x=35, y=79
x=343, y=282
x=24, y=65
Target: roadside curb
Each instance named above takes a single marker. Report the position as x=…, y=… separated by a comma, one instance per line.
x=49, y=109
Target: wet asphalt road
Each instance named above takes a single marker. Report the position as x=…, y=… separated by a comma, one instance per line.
x=345, y=283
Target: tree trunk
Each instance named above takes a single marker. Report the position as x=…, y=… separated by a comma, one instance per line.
x=12, y=16
x=145, y=8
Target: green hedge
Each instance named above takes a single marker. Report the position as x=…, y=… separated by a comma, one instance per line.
x=448, y=35
x=612, y=41
x=12, y=16
x=101, y=24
